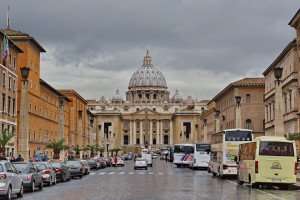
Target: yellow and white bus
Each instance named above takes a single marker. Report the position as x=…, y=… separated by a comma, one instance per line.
x=225, y=149
x=268, y=160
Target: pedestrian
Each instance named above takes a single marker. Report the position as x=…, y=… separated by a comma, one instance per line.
x=19, y=158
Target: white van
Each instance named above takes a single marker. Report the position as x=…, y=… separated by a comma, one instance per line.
x=146, y=155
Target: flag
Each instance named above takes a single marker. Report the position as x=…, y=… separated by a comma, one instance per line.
x=5, y=49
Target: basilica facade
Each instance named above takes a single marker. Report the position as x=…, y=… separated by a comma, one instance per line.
x=149, y=116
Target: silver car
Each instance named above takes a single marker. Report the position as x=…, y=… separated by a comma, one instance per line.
x=10, y=181
x=140, y=163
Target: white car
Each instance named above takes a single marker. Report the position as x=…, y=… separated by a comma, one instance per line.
x=140, y=163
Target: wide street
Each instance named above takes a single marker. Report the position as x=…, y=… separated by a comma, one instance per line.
x=162, y=182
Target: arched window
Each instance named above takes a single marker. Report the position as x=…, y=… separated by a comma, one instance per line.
x=248, y=124
x=154, y=141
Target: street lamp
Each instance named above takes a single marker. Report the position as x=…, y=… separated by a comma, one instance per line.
x=278, y=73
x=238, y=100
x=25, y=72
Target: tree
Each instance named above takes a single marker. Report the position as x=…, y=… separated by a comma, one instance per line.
x=77, y=150
x=5, y=137
x=57, y=147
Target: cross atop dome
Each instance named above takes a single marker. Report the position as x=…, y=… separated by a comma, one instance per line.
x=147, y=58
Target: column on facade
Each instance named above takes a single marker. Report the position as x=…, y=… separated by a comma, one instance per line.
x=141, y=133
x=205, y=131
x=278, y=121
x=161, y=132
x=134, y=132
x=150, y=132
x=130, y=132
x=157, y=132
x=171, y=132
x=62, y=125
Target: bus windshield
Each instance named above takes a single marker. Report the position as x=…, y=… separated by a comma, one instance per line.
x=238, y=135
x=203, y=147
x=268, y=148
x=183, y=149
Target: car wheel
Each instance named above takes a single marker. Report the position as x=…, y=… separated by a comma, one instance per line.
x=8, y=195
x=20, y=194
x=33, y=186
x=41, y=186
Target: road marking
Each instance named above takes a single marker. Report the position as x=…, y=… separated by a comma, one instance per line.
x=141, y=173
x=121, y=173
x=150, y=173
x=93, y=173
x=131, y=173
x=111, y=173
x=160, y=173
x=102, y=173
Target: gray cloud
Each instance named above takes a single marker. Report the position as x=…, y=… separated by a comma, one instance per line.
x=200, y=46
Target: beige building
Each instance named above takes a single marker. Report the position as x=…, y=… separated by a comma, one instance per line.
x=8, y=91
x=282, y=88
x=239, y=105
x=149, y=116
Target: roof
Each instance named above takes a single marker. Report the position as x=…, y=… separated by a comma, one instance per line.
x=18, y=35
x=12, y=42
x=245, y=82
x=290, y=45
x=73, y=92
x=272, y=138
x=295, y=18
x=42, y=82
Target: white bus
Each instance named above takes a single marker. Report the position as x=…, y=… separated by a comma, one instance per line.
x=201, y=156
x=183, y=155
x=224, y=151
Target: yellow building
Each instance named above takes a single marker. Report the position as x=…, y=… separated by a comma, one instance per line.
x=48, y=111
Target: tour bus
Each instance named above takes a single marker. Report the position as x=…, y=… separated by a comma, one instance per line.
x=183, y=155
x=225, y=149
x=268, y=160
x=201, y=156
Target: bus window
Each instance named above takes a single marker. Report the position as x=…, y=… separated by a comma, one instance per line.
x=276, y=149
x=188, y=149
x=178, y=149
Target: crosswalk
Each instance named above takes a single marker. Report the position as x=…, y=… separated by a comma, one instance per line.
x=148, y=173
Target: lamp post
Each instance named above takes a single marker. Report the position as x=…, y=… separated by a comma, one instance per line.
x=107, y=145
x=278, y=121
x=61, y=124
x=23, y=146
x=238, y=117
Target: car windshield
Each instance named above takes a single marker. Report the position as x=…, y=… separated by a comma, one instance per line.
x=41, y=166
x=73, y=163
x=183, y=149
x=268, y=148
x=23, y=168
x=56, y=165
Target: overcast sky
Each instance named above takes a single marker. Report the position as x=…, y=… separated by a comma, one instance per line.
x=94, y=46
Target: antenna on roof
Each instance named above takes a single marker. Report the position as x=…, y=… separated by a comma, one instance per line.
x=8, y=20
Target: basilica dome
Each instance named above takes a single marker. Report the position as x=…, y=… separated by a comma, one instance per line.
x=147, y=76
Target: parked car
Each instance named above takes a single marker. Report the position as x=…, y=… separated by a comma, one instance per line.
x=92, y=164
x=86, y=167
x=61, y=170
x=140, y=163
x=75, y=167
x=154, y=155
x=48, y=174
x=30, y=176
x=102, y=162
x=108, y=161
x=10, y=182
x=117, y=162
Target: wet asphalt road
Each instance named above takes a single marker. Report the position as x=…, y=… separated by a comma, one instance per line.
x=162, y=182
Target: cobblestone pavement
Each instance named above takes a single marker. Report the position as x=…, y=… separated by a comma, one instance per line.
x=162, y=182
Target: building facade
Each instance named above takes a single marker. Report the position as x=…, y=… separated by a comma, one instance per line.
x=8, y=91
x=282, y=89
x=230, y=109
x=148, y=117
x=46, y=114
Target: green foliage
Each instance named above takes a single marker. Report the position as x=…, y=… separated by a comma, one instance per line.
x=5, y=137
x=57, y=145
x=295, y=136
x=77, y=149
